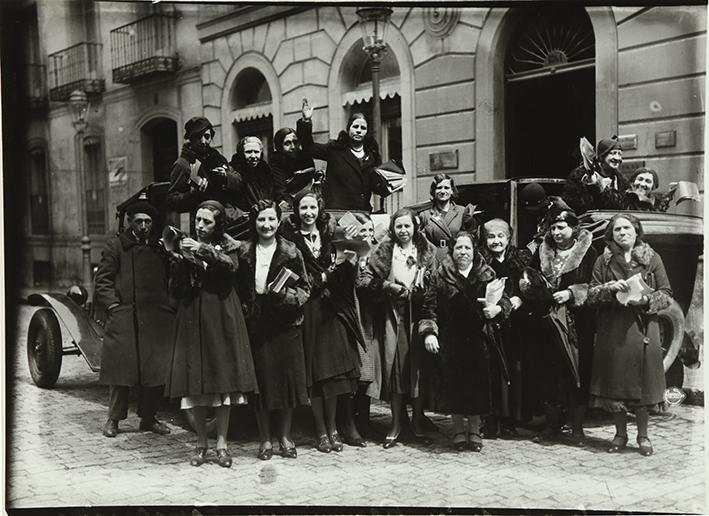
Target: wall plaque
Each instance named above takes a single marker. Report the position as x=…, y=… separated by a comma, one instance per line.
x=444, y=160
x=628, y=141
x=665, y=139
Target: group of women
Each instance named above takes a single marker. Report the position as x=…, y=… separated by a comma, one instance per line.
x=283, y=319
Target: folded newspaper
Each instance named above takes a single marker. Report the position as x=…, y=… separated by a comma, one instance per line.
x=638, y=289
x=494, y=291
x=285, y=278
x=393, y=174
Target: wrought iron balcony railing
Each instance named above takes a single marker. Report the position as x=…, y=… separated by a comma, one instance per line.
x=75, y=68
x=144, y=47
x=36, y=84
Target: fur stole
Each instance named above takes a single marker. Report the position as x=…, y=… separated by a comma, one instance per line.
x=381, y=256
x=642, y=253
x=578, y=251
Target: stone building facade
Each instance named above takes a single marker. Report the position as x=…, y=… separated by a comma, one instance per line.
x=479, y=93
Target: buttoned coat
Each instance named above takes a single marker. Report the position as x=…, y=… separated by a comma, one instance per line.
x=139, y=329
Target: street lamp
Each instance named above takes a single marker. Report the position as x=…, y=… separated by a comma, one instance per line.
x=373, y=22
x=79, y=106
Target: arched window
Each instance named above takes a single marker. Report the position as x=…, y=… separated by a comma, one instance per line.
x=251, y=105
x=357, y=97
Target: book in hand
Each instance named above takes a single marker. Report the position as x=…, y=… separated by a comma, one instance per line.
x=349, y=220
x=301, y=179
x=351, y=249
x=637, y=289
x=393, y=175
x=284, y=279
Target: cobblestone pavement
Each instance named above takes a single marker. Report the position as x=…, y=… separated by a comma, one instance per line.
x=58, y=457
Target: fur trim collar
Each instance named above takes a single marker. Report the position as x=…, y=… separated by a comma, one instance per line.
x=641, y=253
x=381, y=256
x=285, y=251
x=578, y=251
x=228, y=244
x=481, y=271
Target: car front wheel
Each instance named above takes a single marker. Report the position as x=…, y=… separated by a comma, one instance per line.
x=44, y=348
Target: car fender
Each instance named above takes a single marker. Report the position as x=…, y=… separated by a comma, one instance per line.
x=86, y=334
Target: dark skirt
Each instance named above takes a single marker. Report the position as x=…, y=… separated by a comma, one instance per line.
x=280, y=369
x=211, y=353
x=400, y=380
x=331, y=355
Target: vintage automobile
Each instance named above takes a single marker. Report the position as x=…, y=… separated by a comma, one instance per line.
x=68, y=324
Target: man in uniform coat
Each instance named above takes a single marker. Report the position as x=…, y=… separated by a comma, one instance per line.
x=132, y=286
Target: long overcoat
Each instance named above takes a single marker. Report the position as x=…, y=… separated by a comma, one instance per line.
x=212, y=352
x=627, y=361
x=467, y=340
x=439, y=227
x=349, y=182
x=574, y=275
x=139, y=329
x=372, y=278
x=331, y=329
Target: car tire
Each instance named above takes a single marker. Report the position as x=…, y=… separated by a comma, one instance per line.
x=44, y=348
x=671, y=333
x=211, y=422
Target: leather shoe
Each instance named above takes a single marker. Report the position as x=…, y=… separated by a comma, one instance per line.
x=357, y=442
x=288, y=452
x=476, y=445
x=421, y=438
x=390, y=442
x=199, y=456
x=618, y=443
x=110, y=429
x=336, y=442
x=460, y=443
x=265, y=453
x=578, y=438
x=324, y=445
x=223, y=458
x=154, y=426
x=644, y=446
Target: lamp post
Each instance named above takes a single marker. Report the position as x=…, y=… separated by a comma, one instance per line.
x=373, y=22
x=79, y=105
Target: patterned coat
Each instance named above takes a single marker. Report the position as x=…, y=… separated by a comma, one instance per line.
x=627, y=362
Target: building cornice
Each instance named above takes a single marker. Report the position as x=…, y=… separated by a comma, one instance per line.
x=243, y=18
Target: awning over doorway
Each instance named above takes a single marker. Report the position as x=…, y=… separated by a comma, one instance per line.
x=388, y=88
x=251, y=112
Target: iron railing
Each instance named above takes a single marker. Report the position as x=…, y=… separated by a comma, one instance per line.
x=144, y=47
x=78, y=67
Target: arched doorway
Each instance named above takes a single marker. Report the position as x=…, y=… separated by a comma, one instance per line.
x=160, y=147
x=251, y=103
x=549, y=91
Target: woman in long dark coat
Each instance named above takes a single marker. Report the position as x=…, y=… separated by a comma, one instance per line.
x=456, y=326
x=331, y=328
x=566, y=260
x=274, y=319
x=508, y=262
x=627, y=361
x=352, y=158
x=445, y=218
x=398, y=271
x=211, y=364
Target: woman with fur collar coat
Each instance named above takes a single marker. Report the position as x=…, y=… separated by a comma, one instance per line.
x=627, y=363
x=464, y=334
x=398, y=272
x=332, y=331
x=566, y=259
x=274, y=320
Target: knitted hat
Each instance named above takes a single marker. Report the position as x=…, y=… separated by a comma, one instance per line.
x=606, y=145
x=532, y=196
x=643, y=170
x=211, y=203
x=196, y=126
x=142, y=206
